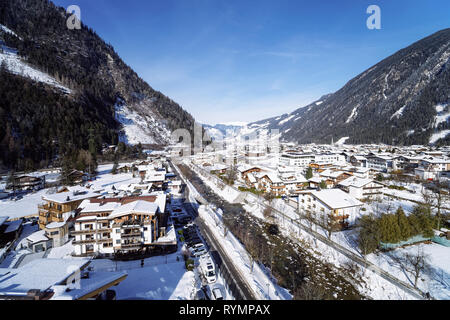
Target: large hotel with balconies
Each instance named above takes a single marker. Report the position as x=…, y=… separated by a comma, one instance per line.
x=113, y=226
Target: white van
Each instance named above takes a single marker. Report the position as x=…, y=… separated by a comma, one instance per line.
x=208, y=269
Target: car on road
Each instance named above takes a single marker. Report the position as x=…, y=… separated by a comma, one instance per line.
x=199, y=252
x=217, y=293
x=207, y=268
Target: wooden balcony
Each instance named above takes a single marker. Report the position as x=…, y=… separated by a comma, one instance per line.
x=88, y=241
x=105, y=240
x=341, y=217
x=131, y=235
x=84, y=231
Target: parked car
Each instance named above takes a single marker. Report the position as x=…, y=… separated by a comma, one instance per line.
x=217, y=293
x=198, y=252
x=193, y=242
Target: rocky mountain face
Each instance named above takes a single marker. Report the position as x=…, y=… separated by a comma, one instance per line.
x=112, y=102
x=402, y=100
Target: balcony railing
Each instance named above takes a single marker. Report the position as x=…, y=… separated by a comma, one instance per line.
x=84, y=231
x=105, y=240
x=131, y=235
x=341, y=217
x=131, y=246
x=87, y=241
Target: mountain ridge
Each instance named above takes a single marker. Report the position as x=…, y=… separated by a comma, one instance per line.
x=100, y=83
x=392, y=102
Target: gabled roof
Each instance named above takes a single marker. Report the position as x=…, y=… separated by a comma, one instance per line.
x=136, y=207
x=355, y=182
x=335, y=198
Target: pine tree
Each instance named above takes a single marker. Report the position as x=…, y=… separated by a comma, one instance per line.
x=309, y=173
x=403, y=223
x=390, y=230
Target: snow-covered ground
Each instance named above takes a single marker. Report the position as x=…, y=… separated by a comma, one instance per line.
x=376, y=287
x=29, y=204
x=259, y=280
x=439, y=135
x=16, y=65
x=138, y=128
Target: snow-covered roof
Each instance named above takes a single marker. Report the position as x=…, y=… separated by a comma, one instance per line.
x=217, y=167
x=355, y=182
x=331, y=174
x=38, y=274
x=140, y=206
x=98, y=207
x=273, y=177
x=3, y=220
x=96, y=280
x=66, y=197
x=251, y=178
x=170, y=237
x=37, y=236
x=14, y=226
x=335, y=198
x=55, y=225
x=155, y=176
x=245, y=167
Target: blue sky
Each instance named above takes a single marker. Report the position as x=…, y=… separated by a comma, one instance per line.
x=246, y=60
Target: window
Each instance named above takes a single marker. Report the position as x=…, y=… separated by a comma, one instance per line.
x=117, y=230
x=118, y=241
x=54, y=233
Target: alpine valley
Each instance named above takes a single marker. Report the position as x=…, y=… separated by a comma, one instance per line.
x=402, y=100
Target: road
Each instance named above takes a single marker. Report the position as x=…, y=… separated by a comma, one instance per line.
x=346, y=252
x=236, y=282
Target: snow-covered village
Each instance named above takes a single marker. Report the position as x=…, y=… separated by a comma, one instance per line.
x=353, y=222
x=224, y=154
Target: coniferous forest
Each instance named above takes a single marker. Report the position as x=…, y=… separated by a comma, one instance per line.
x=40, y=123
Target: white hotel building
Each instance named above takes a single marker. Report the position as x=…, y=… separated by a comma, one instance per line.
x=109, y=226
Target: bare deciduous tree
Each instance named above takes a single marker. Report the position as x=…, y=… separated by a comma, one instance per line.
x=415, y=263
